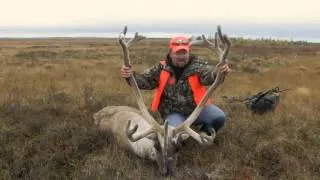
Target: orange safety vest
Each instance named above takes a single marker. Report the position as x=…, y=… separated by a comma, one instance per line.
x=194, y=81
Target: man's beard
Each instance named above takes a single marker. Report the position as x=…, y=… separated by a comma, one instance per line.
x=181, y=62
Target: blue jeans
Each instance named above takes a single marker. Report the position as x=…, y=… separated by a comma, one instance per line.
x=210, y=117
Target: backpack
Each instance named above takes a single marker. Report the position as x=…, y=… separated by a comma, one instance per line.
x=264, y=101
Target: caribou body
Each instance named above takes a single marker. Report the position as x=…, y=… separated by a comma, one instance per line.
x=114, y=119
x=137, y=131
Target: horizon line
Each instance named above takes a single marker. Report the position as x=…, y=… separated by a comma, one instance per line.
x=152, y=36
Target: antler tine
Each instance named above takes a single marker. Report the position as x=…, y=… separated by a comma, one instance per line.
x=227, y=49
x=133, y=138
x=135, y=39
x=125, y=44
x=216, y=43
x=155, y=126
x=165, y=146
x=208, y=44
x=205, y=42
x=210, y=38
x=222, y=53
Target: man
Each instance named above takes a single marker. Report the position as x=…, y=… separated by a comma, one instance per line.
x=180, y=81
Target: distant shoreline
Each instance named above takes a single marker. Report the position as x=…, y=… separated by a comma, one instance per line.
x=307, y=32
x=156, y=35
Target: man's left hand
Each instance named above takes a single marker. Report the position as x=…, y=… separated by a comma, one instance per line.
x=225, y=69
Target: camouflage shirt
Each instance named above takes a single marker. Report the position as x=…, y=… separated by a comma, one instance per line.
x=177, y=96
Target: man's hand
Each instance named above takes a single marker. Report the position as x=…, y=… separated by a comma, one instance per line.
x=126, y=71
x=225, y=69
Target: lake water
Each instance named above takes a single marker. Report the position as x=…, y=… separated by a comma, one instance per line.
x=147, y=34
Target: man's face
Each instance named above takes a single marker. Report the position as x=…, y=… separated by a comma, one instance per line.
x=180, y=58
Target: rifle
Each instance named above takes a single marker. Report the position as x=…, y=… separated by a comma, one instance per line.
x=261, y=94
x=263, y=101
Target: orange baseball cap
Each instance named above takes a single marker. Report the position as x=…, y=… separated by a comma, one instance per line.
x=178, y=43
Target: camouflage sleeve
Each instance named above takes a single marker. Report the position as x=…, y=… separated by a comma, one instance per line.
x=206, y=73
x=148, y=79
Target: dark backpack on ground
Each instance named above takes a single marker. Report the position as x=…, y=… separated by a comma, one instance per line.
x=264, y=101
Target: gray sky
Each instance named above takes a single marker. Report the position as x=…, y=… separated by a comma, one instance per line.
x=93, y=12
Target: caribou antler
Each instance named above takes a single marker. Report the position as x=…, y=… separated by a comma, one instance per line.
x=222, y=54
x=155, y=126
x=203, y=41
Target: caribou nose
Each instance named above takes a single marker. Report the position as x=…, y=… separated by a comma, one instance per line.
x=168, y=169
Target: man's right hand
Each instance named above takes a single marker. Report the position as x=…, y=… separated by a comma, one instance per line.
x=126, y=71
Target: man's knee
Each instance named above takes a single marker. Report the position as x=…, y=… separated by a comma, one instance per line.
x=218, y=118
x=175, y=119
x=219, y=122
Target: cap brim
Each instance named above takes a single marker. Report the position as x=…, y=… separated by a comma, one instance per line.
x=181, y=47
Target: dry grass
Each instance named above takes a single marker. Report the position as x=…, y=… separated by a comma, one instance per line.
x=51, y=88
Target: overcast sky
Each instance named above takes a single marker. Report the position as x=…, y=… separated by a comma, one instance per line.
x=94, y=12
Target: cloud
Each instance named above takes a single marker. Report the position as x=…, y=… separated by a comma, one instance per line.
x=93, y=12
